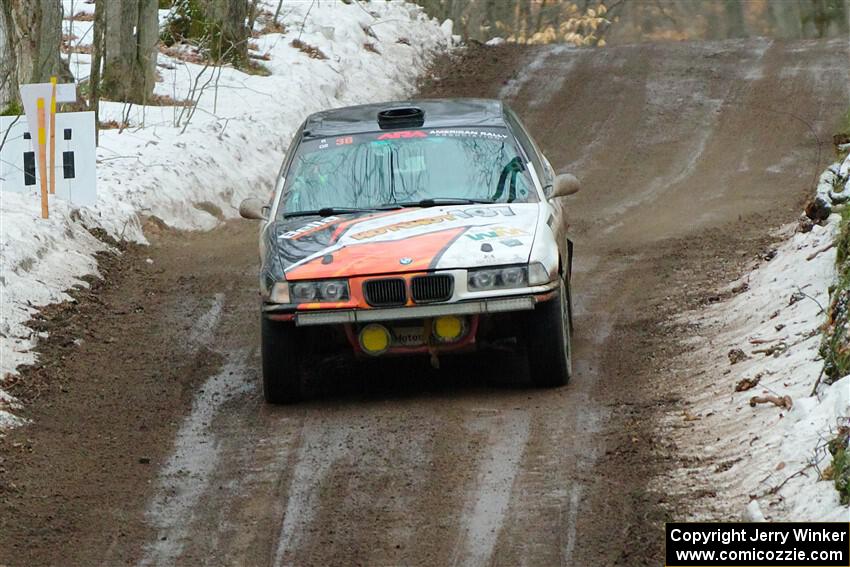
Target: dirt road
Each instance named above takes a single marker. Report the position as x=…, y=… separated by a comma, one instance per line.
x=150, y=444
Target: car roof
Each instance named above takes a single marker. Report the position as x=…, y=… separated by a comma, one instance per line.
x=438, y=113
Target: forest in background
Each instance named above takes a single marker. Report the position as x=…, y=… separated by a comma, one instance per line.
x=126, y=40
x=127, y=35
x=591, y=22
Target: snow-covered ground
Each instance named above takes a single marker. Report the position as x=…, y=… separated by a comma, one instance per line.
x=763, y=461
x=231, y=148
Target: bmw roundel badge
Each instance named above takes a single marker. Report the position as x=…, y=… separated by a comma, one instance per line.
x=406, y=261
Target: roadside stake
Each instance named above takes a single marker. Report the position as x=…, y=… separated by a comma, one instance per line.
x=42, y=157
x=34, y=97
x=52, y=169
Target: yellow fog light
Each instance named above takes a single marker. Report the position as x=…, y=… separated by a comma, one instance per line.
x=448, y=327
x=374, y=339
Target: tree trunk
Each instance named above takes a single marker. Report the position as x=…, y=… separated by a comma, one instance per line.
x=827, y=15
x=538, y=25
x=8, y=62
x=226, y=30
x=524, y=21
x=787, y=18
x=131, y=35
x=31, y=41
x=253, y=10
x=489, y=17
x=736, y=26
x=97, y=53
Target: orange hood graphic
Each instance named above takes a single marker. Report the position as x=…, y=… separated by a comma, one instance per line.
x=409, y=240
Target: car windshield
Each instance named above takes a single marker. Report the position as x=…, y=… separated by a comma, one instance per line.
x=406, y=168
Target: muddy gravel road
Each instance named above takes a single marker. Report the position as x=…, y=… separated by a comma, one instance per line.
x=150, y=443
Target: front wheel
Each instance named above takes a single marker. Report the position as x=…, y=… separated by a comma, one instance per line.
x=282, y=364
x=548, y=341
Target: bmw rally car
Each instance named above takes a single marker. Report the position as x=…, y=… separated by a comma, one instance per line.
x=420, y=227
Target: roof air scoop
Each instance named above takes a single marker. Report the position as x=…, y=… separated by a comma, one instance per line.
x=406, y=117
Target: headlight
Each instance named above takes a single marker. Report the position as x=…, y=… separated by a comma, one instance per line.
x=507, y=277
x=303, y=292
x=335, y=290
x=497, y=278
x=513, y=277
x=482, y=279
x=312, y=292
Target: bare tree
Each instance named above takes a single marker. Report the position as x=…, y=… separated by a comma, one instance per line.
x=253, y=11
x=227, y=32
x=824, y=14
x=130, y=38
x=96, y=63
x=8, y=62
x=736, y=26
x=30, y=39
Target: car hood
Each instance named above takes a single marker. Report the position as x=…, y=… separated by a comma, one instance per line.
x=412, y=239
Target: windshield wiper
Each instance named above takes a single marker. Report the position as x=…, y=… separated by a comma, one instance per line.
x=437, y=201
x=328, y=211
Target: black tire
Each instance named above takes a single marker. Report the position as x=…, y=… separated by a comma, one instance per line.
x=282, y=362
x=548, y=341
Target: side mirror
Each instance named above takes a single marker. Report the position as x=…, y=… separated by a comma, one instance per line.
x=565, y=185
x=253, y=209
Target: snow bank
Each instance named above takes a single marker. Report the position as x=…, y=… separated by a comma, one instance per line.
x=763, y=461
x=231, y=149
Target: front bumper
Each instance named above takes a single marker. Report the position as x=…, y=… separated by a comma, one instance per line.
x=483, y=306
x=335, y=317
x=415, y=320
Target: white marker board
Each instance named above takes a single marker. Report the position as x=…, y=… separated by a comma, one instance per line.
x=75, y=173
x=30, y=93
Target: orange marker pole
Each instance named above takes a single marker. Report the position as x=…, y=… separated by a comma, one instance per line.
x=52, y=169
x=42, y=157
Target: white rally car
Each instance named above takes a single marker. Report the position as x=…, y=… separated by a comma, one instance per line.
x=413, y=228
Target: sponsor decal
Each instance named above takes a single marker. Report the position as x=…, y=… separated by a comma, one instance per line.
x=416, y=223
x=344, y=141
x=457, y=132
x=403, y=135
x=408, y=336
x=497, y=232
x=486, y=212
x=309, y=227
x=511, y=242
x=446, y=217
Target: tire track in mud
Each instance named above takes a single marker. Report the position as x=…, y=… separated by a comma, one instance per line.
x=187, y=473
x=550, y=60
x=202, y=332
x=318, y=450
x=359, y=467
x=186, y=476
x=563, y=444
x=507, y=435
